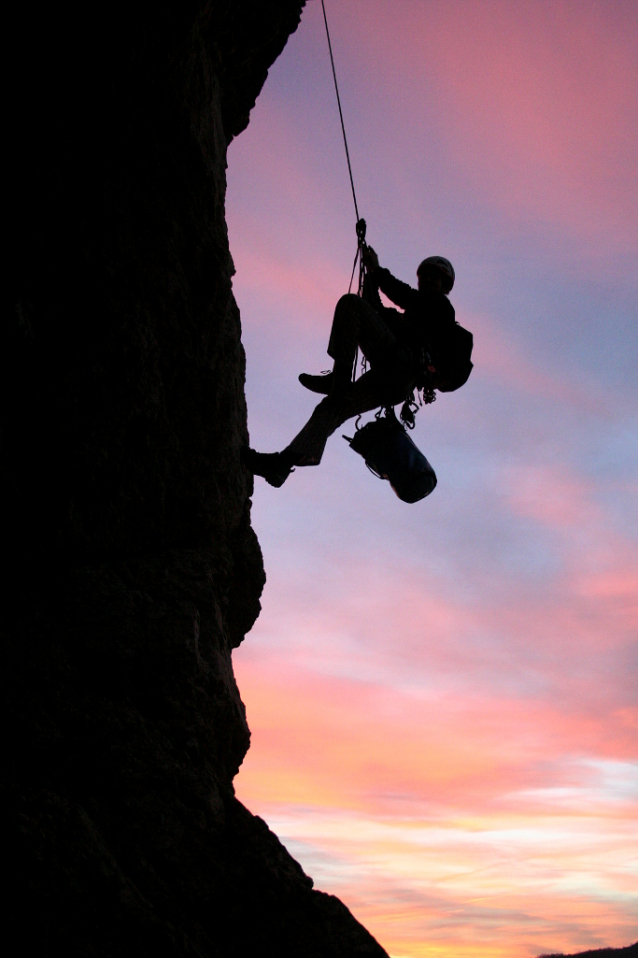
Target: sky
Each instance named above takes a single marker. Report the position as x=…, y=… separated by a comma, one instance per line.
x=443, y=696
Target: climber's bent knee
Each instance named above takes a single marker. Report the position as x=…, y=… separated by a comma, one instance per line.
x=347, y=300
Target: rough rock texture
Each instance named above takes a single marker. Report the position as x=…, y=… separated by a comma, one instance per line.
x=132, y=567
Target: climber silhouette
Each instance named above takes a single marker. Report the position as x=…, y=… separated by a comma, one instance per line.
x=415, y=349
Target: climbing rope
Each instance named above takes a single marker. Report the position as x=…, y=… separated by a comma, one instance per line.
x=361, y=224
x=343, y=126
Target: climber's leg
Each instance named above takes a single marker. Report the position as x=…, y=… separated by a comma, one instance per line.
x=389, y=382
x=370, y=391
x=273, y=466
x=355, y=323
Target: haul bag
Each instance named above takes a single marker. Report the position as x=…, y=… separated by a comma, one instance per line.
x=390, y=454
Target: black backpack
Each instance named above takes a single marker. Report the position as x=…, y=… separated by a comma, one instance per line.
x=452, y=359
x=450, y=356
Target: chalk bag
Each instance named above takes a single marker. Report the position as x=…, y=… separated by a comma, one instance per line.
x=390, y=454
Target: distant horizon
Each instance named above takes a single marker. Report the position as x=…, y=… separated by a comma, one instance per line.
x=602, y=952
x=443, y=696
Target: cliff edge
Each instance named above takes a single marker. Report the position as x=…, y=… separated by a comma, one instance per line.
x=132, y=569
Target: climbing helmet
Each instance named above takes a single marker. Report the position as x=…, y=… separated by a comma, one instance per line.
x=444, y=265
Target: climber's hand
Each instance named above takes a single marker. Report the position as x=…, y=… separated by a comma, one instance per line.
x=370, y=259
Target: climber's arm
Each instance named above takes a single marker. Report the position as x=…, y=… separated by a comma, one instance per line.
x=400, y=293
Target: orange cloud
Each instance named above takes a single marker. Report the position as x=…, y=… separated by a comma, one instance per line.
x=449, y=825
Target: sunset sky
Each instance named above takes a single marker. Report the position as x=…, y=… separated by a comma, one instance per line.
x=444, y=696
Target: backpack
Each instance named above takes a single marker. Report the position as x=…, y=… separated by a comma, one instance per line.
x=452, y=359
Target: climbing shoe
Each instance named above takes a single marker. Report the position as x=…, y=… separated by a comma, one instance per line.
x=273, y=466
x=318, y=384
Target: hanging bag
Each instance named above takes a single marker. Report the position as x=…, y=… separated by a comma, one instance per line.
x=390, y=454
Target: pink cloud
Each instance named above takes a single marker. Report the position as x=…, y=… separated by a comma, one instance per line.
x=550, y=495
x=589, y=600
x=302, y=297
x=455, y=823
x=381, y=749
x=537, y=104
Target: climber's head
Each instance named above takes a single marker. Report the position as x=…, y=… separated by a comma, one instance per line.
x=436, y=274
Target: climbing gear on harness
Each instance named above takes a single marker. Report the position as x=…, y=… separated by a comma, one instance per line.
x=361, y=246
x=409, y=409
x=390, y=454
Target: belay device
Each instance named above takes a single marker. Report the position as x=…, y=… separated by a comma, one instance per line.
x=390, y=454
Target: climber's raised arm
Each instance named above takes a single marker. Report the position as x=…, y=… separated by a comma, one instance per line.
x=370, y=259
x=400, y=293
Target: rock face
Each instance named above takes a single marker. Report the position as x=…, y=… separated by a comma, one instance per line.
x=133, y=570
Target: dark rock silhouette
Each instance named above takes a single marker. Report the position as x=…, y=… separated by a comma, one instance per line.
x=631, y=951
x=131, y=566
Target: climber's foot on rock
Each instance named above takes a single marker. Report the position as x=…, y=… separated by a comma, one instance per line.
x=318, y=384
x=273, y=466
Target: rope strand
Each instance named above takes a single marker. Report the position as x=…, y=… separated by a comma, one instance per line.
x=343, y=128
x=361, y=226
